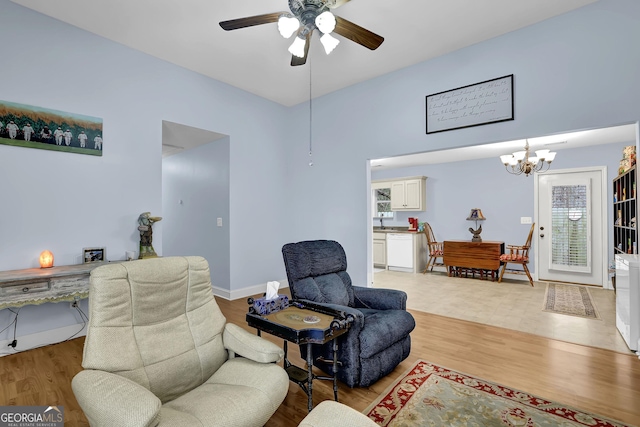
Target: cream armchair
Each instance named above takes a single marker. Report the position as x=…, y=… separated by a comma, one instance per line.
x=159, y=352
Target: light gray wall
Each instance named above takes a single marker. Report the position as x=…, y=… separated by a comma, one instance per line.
x=454, y=188
x=573, y=72
x=64, y=202
x=195, y=192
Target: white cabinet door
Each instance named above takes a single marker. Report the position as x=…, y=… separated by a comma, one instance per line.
x=408, y=195
x=379, y=252
x=413, y=194
x=397, y=195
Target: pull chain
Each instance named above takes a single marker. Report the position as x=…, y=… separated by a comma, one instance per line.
x=310, y=120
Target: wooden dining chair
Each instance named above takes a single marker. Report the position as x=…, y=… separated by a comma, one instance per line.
x=435, y=248
x=517, y=255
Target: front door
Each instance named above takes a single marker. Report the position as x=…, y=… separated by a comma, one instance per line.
x=569, y=231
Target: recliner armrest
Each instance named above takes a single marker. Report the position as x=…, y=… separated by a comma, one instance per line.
x=112, y=400
x=358, y=321
x=379, y=299
x=250, y=346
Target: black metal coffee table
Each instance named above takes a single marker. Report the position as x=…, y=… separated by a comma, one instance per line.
x=304, y=323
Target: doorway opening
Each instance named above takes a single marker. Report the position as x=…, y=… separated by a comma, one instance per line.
x=195, y=198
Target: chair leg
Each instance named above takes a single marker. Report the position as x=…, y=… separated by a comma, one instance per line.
x=526, y=270
x=427, y=266
x=504, y=267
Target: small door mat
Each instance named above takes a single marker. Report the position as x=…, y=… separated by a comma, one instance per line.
x=572, y=300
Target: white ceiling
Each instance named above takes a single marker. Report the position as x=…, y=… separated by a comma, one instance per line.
x=256, y=59
x=177, y=137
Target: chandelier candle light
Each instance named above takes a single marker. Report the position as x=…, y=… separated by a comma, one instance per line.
x=522, y=163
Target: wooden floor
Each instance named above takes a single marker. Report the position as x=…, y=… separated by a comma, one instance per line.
x=591, y=379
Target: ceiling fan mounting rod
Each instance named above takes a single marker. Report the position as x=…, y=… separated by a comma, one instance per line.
x=307, y=10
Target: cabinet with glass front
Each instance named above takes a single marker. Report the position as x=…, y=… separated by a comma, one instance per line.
x=625, y=230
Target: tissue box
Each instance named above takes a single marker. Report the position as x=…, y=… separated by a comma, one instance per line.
x=262, y=306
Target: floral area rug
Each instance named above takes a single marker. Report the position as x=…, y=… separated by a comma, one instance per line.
x=570, y=299
x=429, y=395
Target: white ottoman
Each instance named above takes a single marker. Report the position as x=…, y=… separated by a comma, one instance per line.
x=330, y=413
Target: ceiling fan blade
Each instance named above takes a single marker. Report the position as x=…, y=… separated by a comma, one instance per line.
x=250, y=21
x=295, y=61
x=357, y=34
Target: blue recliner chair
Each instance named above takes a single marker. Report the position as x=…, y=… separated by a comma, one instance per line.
x=379, y=337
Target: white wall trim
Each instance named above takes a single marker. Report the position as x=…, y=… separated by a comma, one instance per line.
x=245, y=292
x=40, y=339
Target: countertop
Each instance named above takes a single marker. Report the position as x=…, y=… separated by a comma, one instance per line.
x=393, y=230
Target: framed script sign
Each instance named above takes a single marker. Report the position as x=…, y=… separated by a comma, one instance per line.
x=478, y=104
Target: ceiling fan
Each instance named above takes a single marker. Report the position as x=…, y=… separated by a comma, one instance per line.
x=305, y=17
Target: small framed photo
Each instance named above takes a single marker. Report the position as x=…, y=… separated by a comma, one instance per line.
x=94, y=254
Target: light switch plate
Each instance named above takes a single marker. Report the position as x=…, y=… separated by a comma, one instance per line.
x=525, y=220
x=219, y=222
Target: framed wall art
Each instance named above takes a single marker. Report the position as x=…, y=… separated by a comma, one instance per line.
x=94, y=254
x=477, y=104
x=27, y=126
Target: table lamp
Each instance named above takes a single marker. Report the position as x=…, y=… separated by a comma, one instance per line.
x=476, y=215
x=46, y=259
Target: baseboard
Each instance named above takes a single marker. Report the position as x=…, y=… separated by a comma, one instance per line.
x=40, y=339
x=402, y=269
x=245, y=292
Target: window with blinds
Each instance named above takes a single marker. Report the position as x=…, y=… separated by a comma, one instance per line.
x=570, y=228
x=382, y=200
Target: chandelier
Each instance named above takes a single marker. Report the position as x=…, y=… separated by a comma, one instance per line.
x=521, y=162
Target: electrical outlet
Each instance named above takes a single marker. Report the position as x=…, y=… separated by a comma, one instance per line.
x=219, y=221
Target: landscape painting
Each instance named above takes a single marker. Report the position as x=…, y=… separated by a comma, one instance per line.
x=46, y=129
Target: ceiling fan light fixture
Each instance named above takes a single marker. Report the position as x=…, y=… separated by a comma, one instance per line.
x=287, y=25
x=329, y=43
x=297, y=47
x=326, y=22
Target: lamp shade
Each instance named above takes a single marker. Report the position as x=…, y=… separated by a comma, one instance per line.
x=476, y=215
x=326, y=22
x=287, y=25
x=297, y=47
x=506, y=159
x=46, y=259
x=329, y=43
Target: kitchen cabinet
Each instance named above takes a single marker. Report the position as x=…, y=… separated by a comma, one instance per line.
x=380, y=249
x=409, y=194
